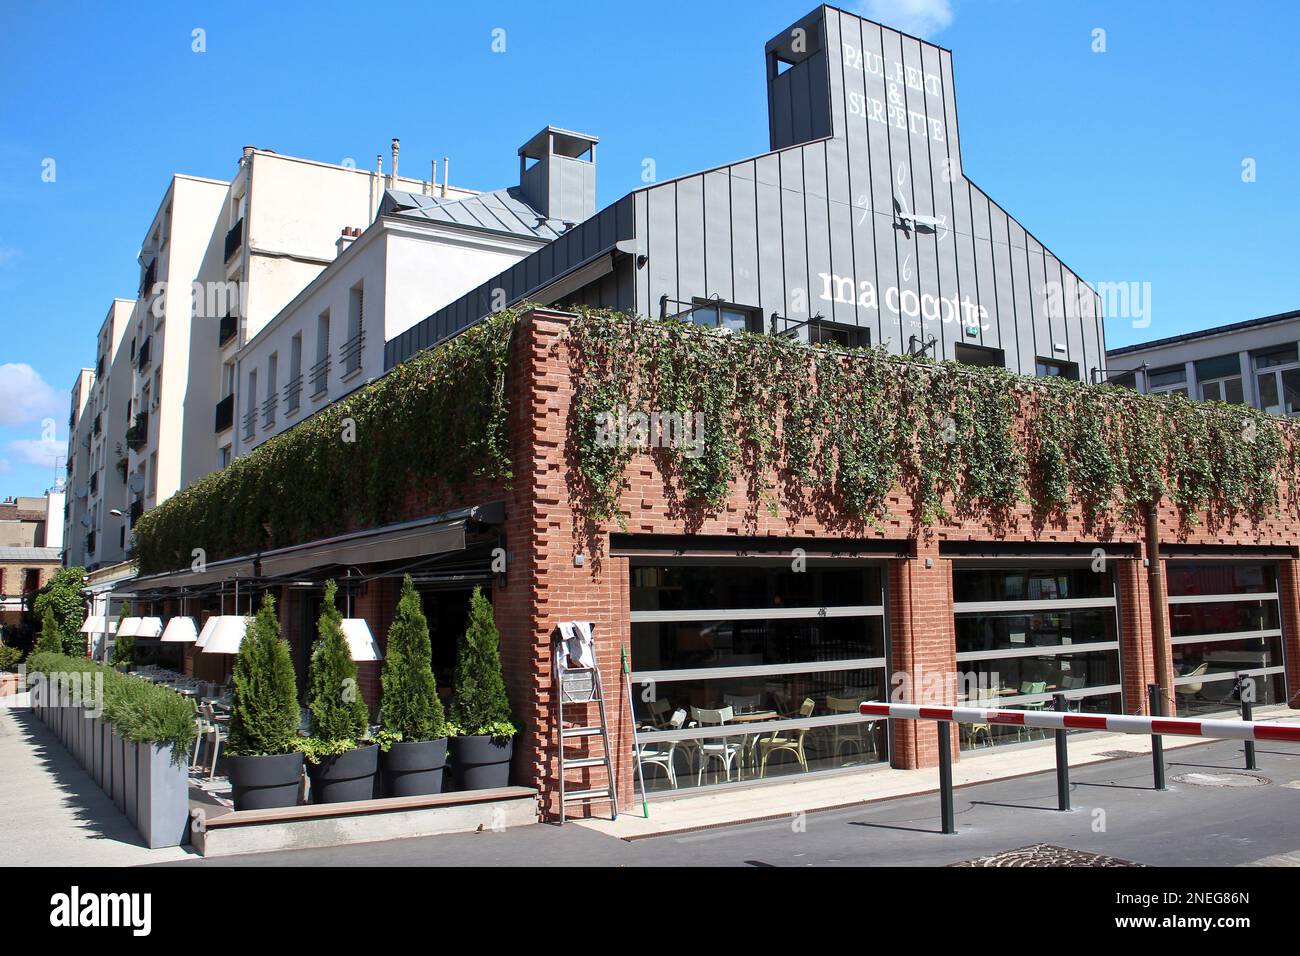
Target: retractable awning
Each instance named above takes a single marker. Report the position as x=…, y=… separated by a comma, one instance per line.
x=405, y=541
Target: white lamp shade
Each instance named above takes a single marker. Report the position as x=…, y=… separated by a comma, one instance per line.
x=227, y=634
x=128, y=627
x=360, y=640
x=98, y=625
x=149, y=627
x=180, y=630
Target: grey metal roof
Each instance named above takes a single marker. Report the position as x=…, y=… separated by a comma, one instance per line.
x=31, y=554
x=1205, y=333
x=502, y=210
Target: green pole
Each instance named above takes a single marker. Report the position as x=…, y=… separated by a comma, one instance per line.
x=631, y=711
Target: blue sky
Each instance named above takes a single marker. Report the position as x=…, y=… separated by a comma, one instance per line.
x=1127, y=163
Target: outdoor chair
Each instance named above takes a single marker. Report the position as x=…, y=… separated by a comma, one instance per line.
x=1188, y=691
x=662, y=754
x=1031, y=687
x=859, y=735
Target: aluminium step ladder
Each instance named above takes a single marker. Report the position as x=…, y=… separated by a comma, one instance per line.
x=581, y=686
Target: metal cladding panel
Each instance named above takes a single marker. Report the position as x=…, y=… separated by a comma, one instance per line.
x=861, y=214
x=718, y=235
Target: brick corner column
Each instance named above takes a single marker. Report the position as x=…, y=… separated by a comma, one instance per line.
x=923, y=649
x=1289, y=592
x=1136, y=648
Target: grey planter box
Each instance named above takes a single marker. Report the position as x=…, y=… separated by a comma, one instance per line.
x=162, y=797
x=116, y=748
x=131, y=796
x=97, y=750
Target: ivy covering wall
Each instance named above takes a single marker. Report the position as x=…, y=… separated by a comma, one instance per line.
x=826, y=430
x=837, y=430
x=437, y=421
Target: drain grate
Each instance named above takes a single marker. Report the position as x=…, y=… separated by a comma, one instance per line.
x=1229, y=778
x=1122, y=753
x=1046, y=854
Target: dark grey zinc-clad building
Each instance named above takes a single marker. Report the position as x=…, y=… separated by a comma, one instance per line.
x=859, y=226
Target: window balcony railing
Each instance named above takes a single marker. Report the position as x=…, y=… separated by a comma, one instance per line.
x=250, y=423
x=98, y=425
x=137, y=436
x=136, y=510
x=293, y=393
x=320, y=377
x=143, y=358
x=229, y=329
x=350, y=353
x=94, y=483
x=225, y=414
x=90, y=543
x=268, y=409
x=150, y=277
x=234, y=239
x=99, y=368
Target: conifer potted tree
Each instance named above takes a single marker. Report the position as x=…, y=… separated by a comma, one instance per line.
x=341, y=763
x=414, y=736
x=262, y=755
x=482, y=721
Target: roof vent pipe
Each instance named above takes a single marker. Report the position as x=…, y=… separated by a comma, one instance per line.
x=433, y=178
x=446, y=166
x=397, y=144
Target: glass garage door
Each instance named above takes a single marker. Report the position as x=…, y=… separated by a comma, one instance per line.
x=753, y=671
x=1224, y=620
x=1028, y=631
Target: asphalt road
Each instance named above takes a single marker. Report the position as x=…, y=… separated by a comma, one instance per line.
x=1198, y=821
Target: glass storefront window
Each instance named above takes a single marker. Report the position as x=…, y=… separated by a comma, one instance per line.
x=1026, y=633
x=744, y=672
x=1224, y=623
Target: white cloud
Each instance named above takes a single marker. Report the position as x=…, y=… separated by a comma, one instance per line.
x=5, y=467
x=25, y=396
x=38, y=451
x=918, y=17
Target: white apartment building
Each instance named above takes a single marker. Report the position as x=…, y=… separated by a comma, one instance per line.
x=97, y=453
x=279, y=227
x=420, y=253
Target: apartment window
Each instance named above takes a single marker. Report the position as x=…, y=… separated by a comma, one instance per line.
x=320, y=372
x=293, y=389
x=250, y=405
x=272, y=397
x=227, y=379
x=1277, y=380
x=153, y=475
x=350, y=353
x=722, y=315
x=1224, y=620
x=1051, y=368
x=224, y=456
x=979, y=355
x=1220, y=379
x=1171, y=380
x=822, y=332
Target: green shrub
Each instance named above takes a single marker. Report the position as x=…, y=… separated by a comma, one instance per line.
x=264, y=707
x=62, y=600
x=338, y=712
x=411, y=709
x=141, y=712
x=9, y=657
x=50, y=641
x=480, y=705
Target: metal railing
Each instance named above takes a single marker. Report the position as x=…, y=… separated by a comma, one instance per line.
x=250, y=423
x=228, y=329
x=293, y=393
x=268, y=409
x=350, y=352
x=234, y=239
x=319, y=377
x=225, y=413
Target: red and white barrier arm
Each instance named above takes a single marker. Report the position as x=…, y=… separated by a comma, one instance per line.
x=1116, y=723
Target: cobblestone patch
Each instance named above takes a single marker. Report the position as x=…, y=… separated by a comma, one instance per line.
x=1045, y=854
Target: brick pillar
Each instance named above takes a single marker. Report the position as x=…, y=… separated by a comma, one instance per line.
x=1136, y=652
x=1289, y=593
x=923, y=649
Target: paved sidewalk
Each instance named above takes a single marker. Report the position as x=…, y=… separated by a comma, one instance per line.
x=786, y=796
x=52, y=813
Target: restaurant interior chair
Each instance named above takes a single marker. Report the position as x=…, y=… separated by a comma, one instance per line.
x=1031, y=687
x=858, y=735
x=778, y=742
x=985, y=698
x=1191, y=690
x=660, y=710
x=663, y=753
x=743, y=703
x=724, y=750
